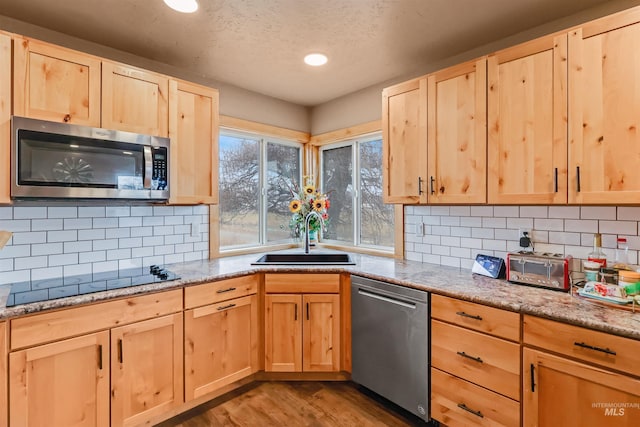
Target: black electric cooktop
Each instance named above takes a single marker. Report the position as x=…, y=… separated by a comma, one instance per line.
x=61, y=287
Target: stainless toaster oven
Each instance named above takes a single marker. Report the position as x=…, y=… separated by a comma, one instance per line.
x=547, y=270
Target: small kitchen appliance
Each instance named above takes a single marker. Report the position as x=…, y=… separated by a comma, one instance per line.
x=543, y=269
x=487, y=265
x=61, y=160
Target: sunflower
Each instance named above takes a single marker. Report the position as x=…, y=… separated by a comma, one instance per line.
x=309, y=189
x=318, y=205
x=294, y=206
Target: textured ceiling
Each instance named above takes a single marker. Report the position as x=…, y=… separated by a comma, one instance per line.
x=259, y=44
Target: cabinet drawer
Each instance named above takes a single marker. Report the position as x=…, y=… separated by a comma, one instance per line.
x=57, y=325
x=487, y=361
x=494, y=321
x=456, y=402
x=302, y=283
x=211, y=293
x=592, y=346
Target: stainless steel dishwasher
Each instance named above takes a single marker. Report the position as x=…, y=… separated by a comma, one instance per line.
x=390, y=342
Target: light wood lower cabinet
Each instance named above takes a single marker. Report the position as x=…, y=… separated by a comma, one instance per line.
x=65, y=383
x=221, y=345
x=302, y=323
x=475, y=359
x=5, y=119
x=561, y=392
x=147, y=370
x=302, y=333
x=4, y=420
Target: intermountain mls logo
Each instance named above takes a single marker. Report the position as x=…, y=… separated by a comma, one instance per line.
x=616, y=409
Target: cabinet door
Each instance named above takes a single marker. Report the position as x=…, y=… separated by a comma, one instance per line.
x=321, y=332
x=62, y=384
x=527, y=120
x=221, y=345
x=404, y=139
x=56, y=84
x=604, y=111
x=561, y=392
x=3, y=376
x=193, y=128
x=457, y=134
x=134, y=100
x=146, y=369
x=283, y=333
x=5, y=118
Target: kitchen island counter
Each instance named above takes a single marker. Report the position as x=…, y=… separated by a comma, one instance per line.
x=453, y=282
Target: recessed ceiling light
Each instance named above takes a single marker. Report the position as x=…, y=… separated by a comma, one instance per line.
x=315, y=59
x=184, y=6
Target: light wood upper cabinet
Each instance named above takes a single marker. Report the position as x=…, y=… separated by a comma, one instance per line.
x=61, y=384
x=5, y=118
x=404, y=139
x=561, y=392
x=527, y=123
x=193, y=129
x=134, y=100
x=604, y=110
x=146, y=369
x=56, y=84
x=457, y=134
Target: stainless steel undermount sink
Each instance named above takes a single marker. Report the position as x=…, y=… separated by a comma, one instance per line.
x=305, y=259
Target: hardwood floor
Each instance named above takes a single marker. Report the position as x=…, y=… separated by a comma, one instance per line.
x=296, y=403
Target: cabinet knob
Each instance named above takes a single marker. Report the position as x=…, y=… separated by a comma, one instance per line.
x=66, y=118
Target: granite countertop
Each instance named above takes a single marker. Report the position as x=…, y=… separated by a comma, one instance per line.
x=454, y=282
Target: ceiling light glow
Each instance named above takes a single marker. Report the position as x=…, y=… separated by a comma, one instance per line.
x=184, y=6
x=315, y=59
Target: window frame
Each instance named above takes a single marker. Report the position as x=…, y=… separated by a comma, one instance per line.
x=355, y=143
x=263, y=141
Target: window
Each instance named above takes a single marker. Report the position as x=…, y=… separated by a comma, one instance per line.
x=351, y=175
x=256, y=175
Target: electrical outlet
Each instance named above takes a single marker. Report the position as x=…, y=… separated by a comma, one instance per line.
x=525, y=238
x=195, y=229
x=521, y=232
x=420, y=229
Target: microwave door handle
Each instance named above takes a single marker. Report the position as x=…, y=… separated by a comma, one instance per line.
x=148, y=166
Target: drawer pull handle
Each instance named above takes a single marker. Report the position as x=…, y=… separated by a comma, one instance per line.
x=470, y=316
x=222, y=291
x=463, y=354
x=591, y=347
x=224, y=307
x=466, y=408
x=100, y=357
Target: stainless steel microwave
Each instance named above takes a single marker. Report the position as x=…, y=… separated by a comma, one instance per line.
x=60, y=160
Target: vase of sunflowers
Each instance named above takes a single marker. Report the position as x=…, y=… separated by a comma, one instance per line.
x=305, y=200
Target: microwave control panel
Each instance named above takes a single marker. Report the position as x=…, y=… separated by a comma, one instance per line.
x=160, y=167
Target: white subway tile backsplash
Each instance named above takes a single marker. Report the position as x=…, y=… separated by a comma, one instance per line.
x=148, y=221
x=78, y=223
x=15, y=251
x=62, y=212
x=46, y=224
x=116, y=211
x=174, y=220
x=46, y=273
x=619, y=227
x=62, y=236
x=29, y=212
x=90, y=257
x=162, y=210
x=173, y=258
x=6, y=213
x=534, y=212
x=93, y=234
x=91, y=211
x=130, y=221
x=141, y=211
x=629, y=213
x=6, y=264
x=101, y=245
x=65, y=259
x=78, y=246
x=598, y=212
x=119, y=233
x=30, y=262
x=29, y=238
x=457, y=237
x=118, y=254
x=131, y=242
x=16, y=225
x=105, y=222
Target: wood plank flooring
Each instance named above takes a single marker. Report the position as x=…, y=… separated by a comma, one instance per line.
x=296, y=403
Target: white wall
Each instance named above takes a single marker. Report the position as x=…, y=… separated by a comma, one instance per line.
x=454, y=235
x=61, y=241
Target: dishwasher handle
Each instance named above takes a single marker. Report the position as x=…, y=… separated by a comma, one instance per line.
x=386, y=298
